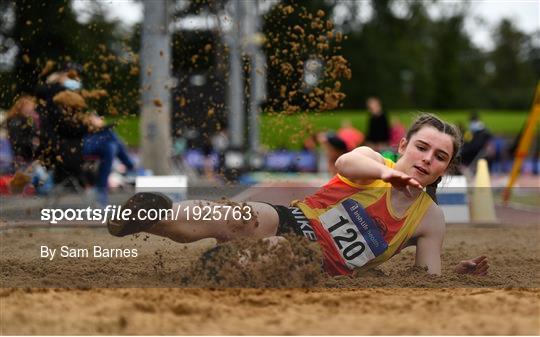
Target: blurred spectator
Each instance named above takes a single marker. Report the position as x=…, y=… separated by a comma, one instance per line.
x=333, y=147
x=346, y=139
x=22, y=124
x=397, y=131
x=68, y=132
x=378, y=133
x=311, y=144
x=61, y=130
x=498, y=155
x=476, y=140
x=6, y=153
x=351, y=136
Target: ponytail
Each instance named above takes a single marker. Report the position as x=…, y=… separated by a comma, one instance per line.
x=431, y=189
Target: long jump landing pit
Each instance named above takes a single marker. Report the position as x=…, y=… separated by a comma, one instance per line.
x=148, y=294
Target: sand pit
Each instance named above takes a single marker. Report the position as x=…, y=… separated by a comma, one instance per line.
x=142, y=295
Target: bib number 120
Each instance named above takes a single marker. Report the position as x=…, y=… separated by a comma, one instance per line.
x=350, y=250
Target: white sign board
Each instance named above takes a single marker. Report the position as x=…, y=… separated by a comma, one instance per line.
x=175, y=187
x=453, y=199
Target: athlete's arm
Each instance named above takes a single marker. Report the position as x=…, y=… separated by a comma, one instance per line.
x=429, y=240
x=429, y=237
x=363, y=165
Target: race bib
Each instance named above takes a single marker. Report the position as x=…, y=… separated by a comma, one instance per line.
x=356, y=236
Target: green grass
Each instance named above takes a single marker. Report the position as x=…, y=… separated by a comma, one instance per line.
x=528, y=197
x=289, y=131
x=127, y=128
x=281, y=131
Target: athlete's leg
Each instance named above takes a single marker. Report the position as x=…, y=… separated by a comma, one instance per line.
x=260, y=221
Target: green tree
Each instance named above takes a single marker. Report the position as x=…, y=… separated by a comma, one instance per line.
x=390, y=57
x=43, y=31
x=110, y=59
x=513, y=77
x=38, y=36
x=49, y=33
x=457, y=66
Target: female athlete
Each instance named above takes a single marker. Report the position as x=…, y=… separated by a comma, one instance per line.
x=368, y=212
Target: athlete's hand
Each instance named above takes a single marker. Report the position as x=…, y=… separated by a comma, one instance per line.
x=400, y=180
x=477, y=266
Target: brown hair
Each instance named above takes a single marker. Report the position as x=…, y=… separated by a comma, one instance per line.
x=426, y=119
x=17, y=106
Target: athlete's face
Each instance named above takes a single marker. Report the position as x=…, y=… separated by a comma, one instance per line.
x=426, y=155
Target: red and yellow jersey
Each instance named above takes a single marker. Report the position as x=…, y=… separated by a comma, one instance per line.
x=356, y=225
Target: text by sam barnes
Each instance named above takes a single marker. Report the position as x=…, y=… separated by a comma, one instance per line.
x=95, y=251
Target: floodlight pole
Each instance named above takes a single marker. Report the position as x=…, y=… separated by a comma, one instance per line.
x=155, y=54
x=257, y=73
x=236, y=102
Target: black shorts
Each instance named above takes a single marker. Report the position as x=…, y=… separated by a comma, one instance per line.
x=293, y=220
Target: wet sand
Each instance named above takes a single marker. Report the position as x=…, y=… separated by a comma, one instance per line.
x=150, y=295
